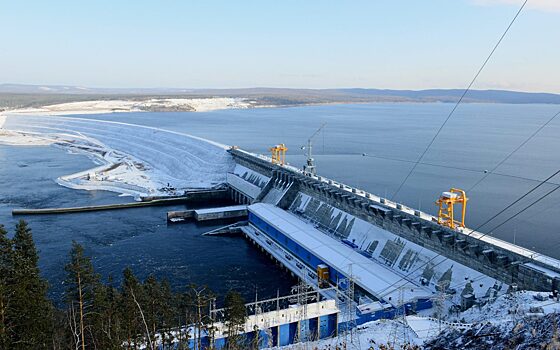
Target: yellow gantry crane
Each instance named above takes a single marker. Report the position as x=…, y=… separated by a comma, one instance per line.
x=446, y=214
x=279, y=154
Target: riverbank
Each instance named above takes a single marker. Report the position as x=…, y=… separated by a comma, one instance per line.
x=137, y=105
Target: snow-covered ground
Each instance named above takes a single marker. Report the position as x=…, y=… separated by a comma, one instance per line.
x=132, y=159
x=112, y=106
x=505, y=312
x=367, y=336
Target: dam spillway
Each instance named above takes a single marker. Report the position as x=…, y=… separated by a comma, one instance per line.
x=405, y=248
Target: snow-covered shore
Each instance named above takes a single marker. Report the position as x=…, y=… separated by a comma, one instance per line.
x=131, y=159
x=152, y=104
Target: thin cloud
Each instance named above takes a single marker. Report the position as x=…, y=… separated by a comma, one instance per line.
x=541, y=5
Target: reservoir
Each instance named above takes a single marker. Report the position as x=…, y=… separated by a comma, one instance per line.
x=366, y=146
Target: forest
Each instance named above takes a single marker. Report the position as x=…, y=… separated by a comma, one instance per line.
x=96, y=314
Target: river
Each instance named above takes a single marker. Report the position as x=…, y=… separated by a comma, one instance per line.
x=370, y=146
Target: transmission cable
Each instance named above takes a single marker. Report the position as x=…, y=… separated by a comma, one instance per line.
x=514, y=202
x=524, y=209
x=484, y=223
x=458, y=102
x=487, y=221
x=514, y=151
x=452, y=167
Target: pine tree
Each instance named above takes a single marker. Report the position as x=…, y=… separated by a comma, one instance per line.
x=169, y=310
x=185, y=317
x=81, y=284
x=31, y=311
x=131, y=311
x=235, y=317
x=6, y=275
x=106, y=319
x=154, y=301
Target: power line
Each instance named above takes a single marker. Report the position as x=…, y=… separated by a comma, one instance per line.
x=459, y=101
x=524, y=209
x=386, y=290
x=484, y=177
x=514, y=202
x=514, y=151
x=446, y=259
x=455, y=168
x=412, y=161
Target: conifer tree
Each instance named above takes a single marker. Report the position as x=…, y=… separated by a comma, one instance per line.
x=169, y=310
x=235, y=316
x=81, y=285
x=31, y=311
x=185, y=317
x=106, y=319
x=6, y=275
x=154, y=302
x=132, y=317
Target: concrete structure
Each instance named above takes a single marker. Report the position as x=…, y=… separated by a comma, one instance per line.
x=498, y=259
x=192, y=196
x=315, y=248
x=230, y=212
x=235, y=211
x=245, y=185
x=286, y=326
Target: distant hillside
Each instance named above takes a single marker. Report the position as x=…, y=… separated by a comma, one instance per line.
x=19, y=95
x=451, y=95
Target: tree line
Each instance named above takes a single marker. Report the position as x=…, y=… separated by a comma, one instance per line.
x=99, y=315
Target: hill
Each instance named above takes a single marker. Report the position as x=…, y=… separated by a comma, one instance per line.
x=19, y=95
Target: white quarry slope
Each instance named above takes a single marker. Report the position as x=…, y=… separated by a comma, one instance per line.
x=134, y=159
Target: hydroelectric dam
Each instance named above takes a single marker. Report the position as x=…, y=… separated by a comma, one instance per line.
x=375, y=258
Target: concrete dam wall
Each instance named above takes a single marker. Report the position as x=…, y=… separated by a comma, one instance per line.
x=364, y=220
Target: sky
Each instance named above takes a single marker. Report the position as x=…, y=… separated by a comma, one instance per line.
x=393, y=44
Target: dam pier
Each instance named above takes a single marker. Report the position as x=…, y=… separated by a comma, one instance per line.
x=196, y=196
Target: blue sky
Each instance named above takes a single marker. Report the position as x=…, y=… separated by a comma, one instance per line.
x=313, y=44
